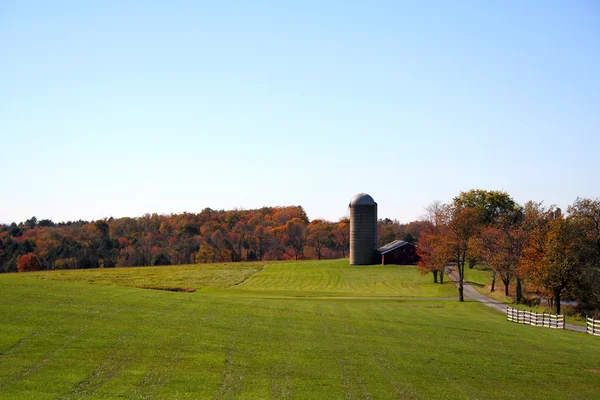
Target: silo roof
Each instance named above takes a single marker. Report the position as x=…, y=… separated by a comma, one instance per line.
x=362, y=199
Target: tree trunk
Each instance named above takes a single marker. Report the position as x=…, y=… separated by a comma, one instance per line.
x=472, y=263
x=461, y=274
x=493, y=282
x=519, y=290
x=557, y=300
x=506, y=283
x=442, y=277
x=435, y=274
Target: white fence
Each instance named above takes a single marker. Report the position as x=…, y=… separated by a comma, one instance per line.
x=537, y=319
x=592, y=326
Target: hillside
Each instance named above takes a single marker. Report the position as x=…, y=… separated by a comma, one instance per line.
x=274, y=330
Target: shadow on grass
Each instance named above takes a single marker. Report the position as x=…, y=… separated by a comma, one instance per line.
x=169, y=289
x=475, y=284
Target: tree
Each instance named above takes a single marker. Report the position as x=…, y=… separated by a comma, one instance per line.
x=107, y=248
x=260, y=241
x=463, y=225
x=500, y=246
x=206, y=254
x=491, y=205
x=31, y=222
x=295, y=236
x=496, y=252
x=341, y=236
x=432, y=246
x=318, y=235
x=433, y=254
x=161, y=259
x=551, y=258
x=387, y=231
x=28, y=262
x=585, y=214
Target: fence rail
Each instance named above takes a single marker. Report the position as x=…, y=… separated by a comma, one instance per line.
x=537, y=319
x=592, y=326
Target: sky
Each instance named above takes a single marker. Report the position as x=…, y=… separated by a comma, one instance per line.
x=126, y=108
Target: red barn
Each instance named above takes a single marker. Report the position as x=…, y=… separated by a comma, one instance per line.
x=398, y=252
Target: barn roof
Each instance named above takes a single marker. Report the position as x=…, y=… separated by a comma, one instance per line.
x=391, y=246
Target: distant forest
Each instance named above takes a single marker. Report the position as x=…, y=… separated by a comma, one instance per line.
x=268, y=233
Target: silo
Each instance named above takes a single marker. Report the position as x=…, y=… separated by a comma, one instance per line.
x=363, y=229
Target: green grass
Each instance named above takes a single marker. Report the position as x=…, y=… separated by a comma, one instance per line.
x=481, y=279
x=330, y=278
x=194, y=276
x=244, y=334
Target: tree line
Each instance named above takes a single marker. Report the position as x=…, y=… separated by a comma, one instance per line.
x=268, y=233
x=556, y=254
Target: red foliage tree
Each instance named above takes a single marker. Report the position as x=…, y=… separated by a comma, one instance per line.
x=28, y=262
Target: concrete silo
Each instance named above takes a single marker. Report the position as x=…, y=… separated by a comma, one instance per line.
x=363, y=229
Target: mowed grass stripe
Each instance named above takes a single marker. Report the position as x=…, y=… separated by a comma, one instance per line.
x=336, y=277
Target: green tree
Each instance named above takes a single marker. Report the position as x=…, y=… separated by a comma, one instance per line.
x=491, y=205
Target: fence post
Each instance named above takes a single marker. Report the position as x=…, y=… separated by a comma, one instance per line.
x=543, y=319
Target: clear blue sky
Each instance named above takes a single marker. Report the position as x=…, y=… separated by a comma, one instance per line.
x=122, y=108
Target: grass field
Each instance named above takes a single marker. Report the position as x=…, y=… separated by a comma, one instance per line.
x=282, y=330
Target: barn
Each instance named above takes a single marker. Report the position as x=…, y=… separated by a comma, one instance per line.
x=398, y=252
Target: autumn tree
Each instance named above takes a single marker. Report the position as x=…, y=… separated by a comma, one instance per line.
x=585, y=214
x=295, y=237
x=495, y=250
x=207, y=254
x=500, y=245
x=432, y=245
x=463, y=224
x=28, y=262
x=341, y=236
x=433, y=255
x=318, y=235
x=387, y=231
x=551, y=258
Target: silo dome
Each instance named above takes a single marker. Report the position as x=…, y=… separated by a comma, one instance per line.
x=362, y=199
x=363, y=229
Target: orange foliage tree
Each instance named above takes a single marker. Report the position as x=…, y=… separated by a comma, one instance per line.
x=432, y=245
x=551, y=258
x=28, y=262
